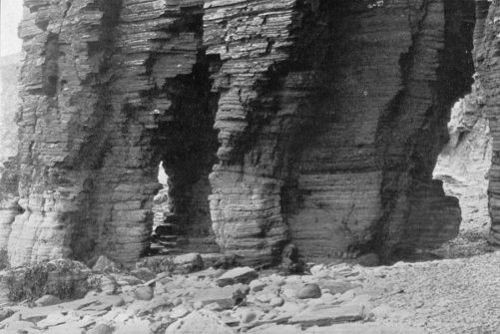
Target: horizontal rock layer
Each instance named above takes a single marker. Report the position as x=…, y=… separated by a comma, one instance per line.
x=486, y=56
x=315, y=122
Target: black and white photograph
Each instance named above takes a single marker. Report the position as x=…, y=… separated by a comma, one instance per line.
x=249, y=166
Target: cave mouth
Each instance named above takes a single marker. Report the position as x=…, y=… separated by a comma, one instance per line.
x=464, y=162
x=186, y=145
x=463, y=167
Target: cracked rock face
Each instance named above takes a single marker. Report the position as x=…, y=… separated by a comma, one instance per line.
x=486, y=39
x=464, y=163
x=312, y=122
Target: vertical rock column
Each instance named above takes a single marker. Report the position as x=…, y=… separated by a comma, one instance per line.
x=362, y=179
x=249, y=40
x=436, y=71
x=95, y=100
x=152, y=55
x=486, y=52
x=59, y=106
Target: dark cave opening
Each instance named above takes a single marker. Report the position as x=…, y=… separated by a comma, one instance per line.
x=186, y=145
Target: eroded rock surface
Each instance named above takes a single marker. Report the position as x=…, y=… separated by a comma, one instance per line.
x=486, y=38
x=316, y=122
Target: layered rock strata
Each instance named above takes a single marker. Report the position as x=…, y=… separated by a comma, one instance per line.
x=103, y=86
x=330, y=136
x=315, y=121
x=486, y=41
x=465, y=161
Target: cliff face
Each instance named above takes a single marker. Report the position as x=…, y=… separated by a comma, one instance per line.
x=316, y=122
x=9, y=66
x=486, y=52
x=464, y=163
x=335, y=148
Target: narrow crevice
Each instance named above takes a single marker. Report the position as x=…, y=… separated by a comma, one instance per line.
x=186, y=142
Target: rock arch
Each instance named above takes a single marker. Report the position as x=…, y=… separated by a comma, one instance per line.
x=315, y=122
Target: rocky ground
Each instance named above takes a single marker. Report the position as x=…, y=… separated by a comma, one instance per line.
x=446, y=296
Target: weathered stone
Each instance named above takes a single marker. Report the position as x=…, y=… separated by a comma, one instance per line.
x=54, y=319
x=144, y=293
x=199, y=322
x=276, y=302
x=325, y=315
x=266, y=133
x=188, y=263
x=237, y=275
x=309, y=291
x=486, y=37
x=248, y=317
x=47, y=300
x=226, y=297
x=257, y=285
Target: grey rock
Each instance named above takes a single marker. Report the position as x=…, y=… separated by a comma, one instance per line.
x=237, y=275
x=276, y=302
x=47, y=300
x=325, y=315
x=225, y=297
x=144, y=293
x=309, y=291
x=188, y=263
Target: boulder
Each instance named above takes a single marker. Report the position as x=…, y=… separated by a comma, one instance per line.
x=144, y=293
x=226, y=297
x=47, y=300
x=237, y=275
x=187, y=263
x=309, y=291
